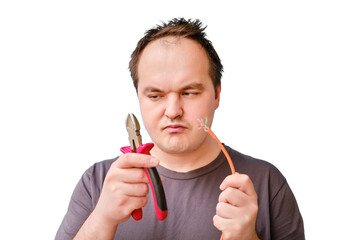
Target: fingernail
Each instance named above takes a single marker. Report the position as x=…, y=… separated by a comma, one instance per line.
x=222, y=186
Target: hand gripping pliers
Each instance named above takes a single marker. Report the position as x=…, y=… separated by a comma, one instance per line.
x=133, y=128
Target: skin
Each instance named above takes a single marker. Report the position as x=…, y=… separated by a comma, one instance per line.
x=237, y=208
x=125, y=189
x=174, y=90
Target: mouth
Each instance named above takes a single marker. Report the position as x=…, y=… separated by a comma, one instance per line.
x=175, y=128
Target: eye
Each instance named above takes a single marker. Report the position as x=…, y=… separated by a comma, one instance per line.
x=189, y=93
x=154, y=97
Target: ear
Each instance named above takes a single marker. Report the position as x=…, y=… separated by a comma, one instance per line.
x=217, y=96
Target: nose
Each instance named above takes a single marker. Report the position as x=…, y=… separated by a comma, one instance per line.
x=174, y=108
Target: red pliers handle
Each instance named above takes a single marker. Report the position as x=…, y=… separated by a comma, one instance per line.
x=133, y=128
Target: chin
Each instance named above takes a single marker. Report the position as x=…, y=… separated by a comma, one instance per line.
x=179, y=144
x=175, y=149
x=178, y=148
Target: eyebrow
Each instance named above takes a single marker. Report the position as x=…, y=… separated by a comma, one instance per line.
x=196, y=86
x=192, y=86
x=151, y=89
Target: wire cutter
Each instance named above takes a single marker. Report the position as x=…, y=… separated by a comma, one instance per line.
x=136, y=146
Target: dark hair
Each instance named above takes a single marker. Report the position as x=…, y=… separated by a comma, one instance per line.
x=180, y=27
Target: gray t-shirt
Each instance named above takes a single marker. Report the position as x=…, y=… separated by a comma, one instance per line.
x=191, y=199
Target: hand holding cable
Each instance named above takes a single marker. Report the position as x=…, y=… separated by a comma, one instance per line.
x=237, y=208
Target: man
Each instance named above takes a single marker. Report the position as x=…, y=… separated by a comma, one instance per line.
x=176, y=73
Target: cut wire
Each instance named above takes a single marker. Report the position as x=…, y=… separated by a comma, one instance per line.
x=212, y=134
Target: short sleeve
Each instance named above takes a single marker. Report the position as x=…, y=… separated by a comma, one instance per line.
x=79, y=208
x=286, y=220
x=84, y=199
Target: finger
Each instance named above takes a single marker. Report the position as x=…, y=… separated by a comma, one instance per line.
x=221, y=223
x=229, y=229
x=127, y=175
x=239, y=181
x=134, y=190
x=227, y=211
x=131, y=160
x=234, y=197
x=132, y=175
x=134, y=203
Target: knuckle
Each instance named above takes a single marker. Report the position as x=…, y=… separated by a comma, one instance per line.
x=122, y=202
x=143, y=189
x=143, y=201
x=110, y=176
x=125, y=157
x=229, y=191
x=247, y=218
x=216, y=221
x=141, y=174
x=219, y=207
x=255, y=209
x=125, y=211
x=119, y=161
x=114, y=189
x=124, y=160
x=222, y=196
x=227, y=194
x=246, y=179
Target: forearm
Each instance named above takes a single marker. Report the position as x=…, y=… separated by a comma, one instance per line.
x=94, y=228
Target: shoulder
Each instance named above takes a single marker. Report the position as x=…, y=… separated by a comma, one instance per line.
x=263, y=174
x=98, y=170
x=101, y=167
x=248, y=164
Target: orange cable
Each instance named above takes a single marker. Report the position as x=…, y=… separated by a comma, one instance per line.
x=212, y=134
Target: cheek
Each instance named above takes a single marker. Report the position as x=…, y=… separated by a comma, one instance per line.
x=204, y=110
x=203, y=107
x=150, y=114
x=145, y=112
x=148, y=121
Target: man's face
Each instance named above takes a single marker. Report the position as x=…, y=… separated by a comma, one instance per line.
x=174, y=90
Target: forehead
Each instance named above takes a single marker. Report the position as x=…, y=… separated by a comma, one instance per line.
x=174, y=60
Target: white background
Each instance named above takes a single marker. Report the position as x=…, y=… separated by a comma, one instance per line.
x=290, y=95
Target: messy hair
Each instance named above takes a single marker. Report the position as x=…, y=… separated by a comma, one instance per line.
x=178, y=27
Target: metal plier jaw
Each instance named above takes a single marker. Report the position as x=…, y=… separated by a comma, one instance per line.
x=133, y=129
x=136, y=146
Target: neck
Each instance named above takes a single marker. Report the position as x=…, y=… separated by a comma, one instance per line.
x=185, y=162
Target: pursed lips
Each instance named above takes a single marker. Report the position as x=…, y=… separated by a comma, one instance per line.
x=175, y=128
